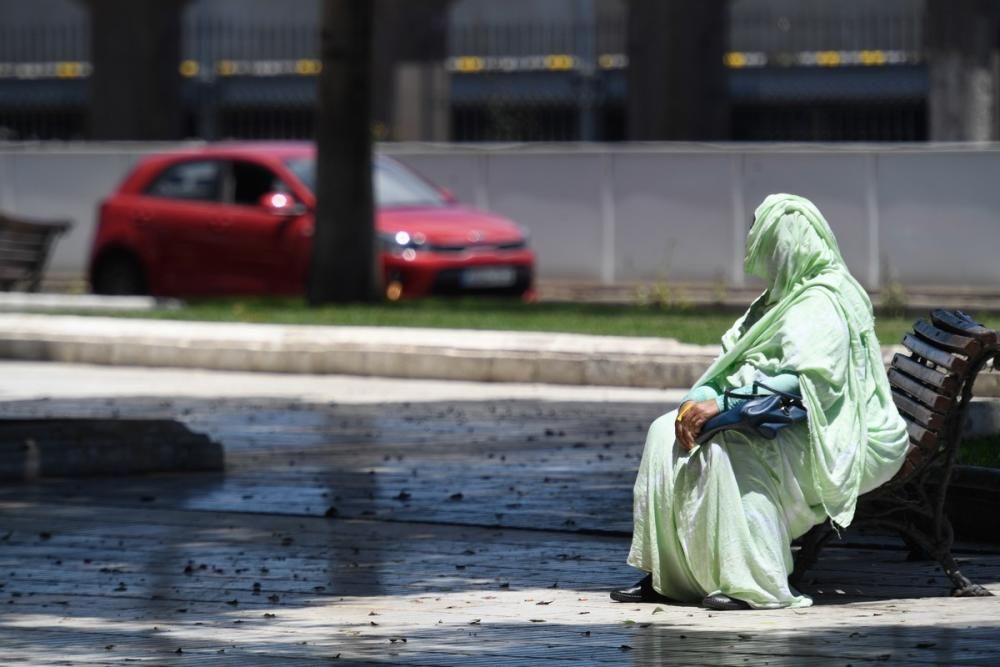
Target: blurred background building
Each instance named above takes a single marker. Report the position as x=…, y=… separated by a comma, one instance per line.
x=479, y=70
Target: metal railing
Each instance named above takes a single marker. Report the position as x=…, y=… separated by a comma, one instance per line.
x=508, y=57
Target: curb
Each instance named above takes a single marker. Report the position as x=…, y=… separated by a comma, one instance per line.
x=29, y=302
x=438, y=354
x=479, y=356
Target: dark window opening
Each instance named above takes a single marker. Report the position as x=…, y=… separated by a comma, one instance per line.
x=193, y=181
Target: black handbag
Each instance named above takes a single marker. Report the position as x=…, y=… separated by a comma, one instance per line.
x=760, y=415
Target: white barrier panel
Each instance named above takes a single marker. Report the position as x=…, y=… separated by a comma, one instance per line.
x=922, y=215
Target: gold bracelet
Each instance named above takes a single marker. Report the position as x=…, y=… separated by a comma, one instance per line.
x=685, y=410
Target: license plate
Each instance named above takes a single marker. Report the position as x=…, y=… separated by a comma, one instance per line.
x=489, y=276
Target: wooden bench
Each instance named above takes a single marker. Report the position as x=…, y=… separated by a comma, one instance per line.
x=931, y=386
x=24, y=249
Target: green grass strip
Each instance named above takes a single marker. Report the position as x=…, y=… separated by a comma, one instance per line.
x=702, y=325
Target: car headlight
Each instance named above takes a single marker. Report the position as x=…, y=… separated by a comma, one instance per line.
x=397, y=242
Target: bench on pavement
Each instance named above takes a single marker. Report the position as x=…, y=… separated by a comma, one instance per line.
x=24, y=250
x=931, y=386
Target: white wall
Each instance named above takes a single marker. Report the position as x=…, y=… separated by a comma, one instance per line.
x=923, y=215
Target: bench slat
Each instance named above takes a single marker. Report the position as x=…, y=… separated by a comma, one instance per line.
x=952, y=362
x=921, y=438
x=945, y=383
x=960, y=323
x=953, y=342
x=926, y=395
x=8, y=255
x=8, y=273
x=34, y=250
x=909, y=466
x=8, y=236
x=35, y=226
x=922, y=415
x=21, y=265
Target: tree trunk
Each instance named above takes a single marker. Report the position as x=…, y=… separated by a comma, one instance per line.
x=961, y=48
x=345, y=266
x=676, y=77
x=135, y=84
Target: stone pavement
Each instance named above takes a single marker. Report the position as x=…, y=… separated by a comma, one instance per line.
x=411, y=532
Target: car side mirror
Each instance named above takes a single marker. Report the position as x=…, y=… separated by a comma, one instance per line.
x=281, y=203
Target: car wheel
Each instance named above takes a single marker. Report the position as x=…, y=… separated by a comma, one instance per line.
x=119, y=275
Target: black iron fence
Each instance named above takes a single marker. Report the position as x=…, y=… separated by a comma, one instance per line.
x=850, y=70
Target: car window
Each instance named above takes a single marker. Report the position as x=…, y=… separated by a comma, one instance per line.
x=194, y=181
x=252, y=181
x=394, y=185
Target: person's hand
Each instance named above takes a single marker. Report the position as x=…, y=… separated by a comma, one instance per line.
x=691, y=417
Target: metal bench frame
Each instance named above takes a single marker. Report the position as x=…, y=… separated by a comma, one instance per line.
x=24, y=250
x=931, y=387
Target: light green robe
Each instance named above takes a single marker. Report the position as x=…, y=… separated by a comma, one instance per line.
x=721, y=517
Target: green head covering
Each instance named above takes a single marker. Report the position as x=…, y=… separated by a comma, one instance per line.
x=789, y=243
x=815, y=320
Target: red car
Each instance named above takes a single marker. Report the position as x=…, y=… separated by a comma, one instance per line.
x=238, y=219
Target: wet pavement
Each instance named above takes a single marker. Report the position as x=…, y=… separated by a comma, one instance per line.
x=479, y=532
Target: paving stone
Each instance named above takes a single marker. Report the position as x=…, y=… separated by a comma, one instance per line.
x=252, y=567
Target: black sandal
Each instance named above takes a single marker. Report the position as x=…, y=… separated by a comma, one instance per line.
x=722, y=602
x=642, y=592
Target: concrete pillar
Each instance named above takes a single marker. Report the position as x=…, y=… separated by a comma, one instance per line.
x=421, y=105
x=962, y=38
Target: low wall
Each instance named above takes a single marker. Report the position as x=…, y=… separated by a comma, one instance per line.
x=919, y=214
